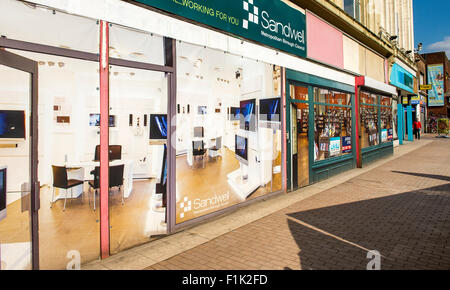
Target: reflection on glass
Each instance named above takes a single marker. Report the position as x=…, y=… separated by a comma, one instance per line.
x=230, y=150
x=137, y=189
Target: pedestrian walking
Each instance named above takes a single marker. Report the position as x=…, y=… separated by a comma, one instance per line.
x=417, y=126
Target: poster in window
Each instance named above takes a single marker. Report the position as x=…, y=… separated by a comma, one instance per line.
x=384, y=135
x=335, y=146
x=390, y=135
x=346, y=144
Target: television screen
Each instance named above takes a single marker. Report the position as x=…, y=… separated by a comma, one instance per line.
x=12, y=124
x=247, y=115
x=269, y=109
x=234, y=113
x=202, y=110
x=198, y=132
x=158, y=126
x=3, y=193
x=94, y=120
x=241, y=147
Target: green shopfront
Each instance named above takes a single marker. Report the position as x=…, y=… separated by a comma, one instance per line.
x=321, y=128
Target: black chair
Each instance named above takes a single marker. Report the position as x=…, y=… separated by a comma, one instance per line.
x=60, y=181
x=198, y=149
x=115, y=180
x=115, y=152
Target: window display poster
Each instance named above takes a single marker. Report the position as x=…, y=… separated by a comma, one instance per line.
x=390, y=135
x=436, y=80
x=384, y=135
x=346, y=144
x=335, y=146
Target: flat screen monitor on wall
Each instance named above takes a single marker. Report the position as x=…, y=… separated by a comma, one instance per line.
x=234, y=113
x=158, y=126
x=3, y=193
x=269, y=110
x=247, y=115
x=12, y=124
x=94, y=120
x=202, y=110
x=241, y=149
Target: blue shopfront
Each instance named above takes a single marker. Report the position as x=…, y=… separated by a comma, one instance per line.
x=403, y=80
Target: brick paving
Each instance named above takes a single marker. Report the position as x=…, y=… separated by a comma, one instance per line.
x=401, y=209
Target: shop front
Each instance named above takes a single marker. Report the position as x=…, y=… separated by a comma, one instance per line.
x=320, y=128
x=132, y=124
x=375, y=119
x=402, y=77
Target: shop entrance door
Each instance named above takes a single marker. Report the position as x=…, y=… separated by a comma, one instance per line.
x=19, y=189
x=299, y=138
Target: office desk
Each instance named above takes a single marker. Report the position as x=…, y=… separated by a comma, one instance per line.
x=82, y=171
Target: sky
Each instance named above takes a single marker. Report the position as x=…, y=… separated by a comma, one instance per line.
x=432, y=25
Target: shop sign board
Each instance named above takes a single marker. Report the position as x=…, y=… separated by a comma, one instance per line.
x=426, y=87
x=273, y=23
x=415, y=100
x=384, y=135
x=436, y=78
x=346, y=144
x=335, y=146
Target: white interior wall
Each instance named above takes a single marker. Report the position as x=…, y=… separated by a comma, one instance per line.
x=120, y=12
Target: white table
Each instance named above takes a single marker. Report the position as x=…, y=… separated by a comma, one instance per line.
x=82, y=171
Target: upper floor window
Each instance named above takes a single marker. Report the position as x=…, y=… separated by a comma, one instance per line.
x=352, y=7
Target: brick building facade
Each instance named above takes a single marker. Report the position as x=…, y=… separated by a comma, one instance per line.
x=435, y=112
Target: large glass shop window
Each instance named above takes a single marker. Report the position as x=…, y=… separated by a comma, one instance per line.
x=369, y=120
x=228, y=135
x=376, y=117
x=68, y=102
x=387, y=130
x=137, y=140
x=333, y=124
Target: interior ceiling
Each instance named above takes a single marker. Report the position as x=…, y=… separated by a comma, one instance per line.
x=40, y=25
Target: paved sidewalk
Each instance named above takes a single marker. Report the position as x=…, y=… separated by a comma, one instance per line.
x=269, y=234
x=401, y=209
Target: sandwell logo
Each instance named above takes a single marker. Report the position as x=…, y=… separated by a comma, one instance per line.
x=185, y=206
x=253, y=13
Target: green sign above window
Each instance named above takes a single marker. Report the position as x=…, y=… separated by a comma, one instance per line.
x=270, y=22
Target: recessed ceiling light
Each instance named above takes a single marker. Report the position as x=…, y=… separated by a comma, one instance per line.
x=41, y=62
x=137, y=53
x=65, y=46
x=61, y=64
x=51, y=63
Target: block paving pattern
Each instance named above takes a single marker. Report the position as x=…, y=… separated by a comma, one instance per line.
x=401, y=209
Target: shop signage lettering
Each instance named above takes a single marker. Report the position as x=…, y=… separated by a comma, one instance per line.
x=272, y=23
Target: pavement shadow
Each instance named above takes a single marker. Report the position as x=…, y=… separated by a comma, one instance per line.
x=411, y=230
x=432, y=176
